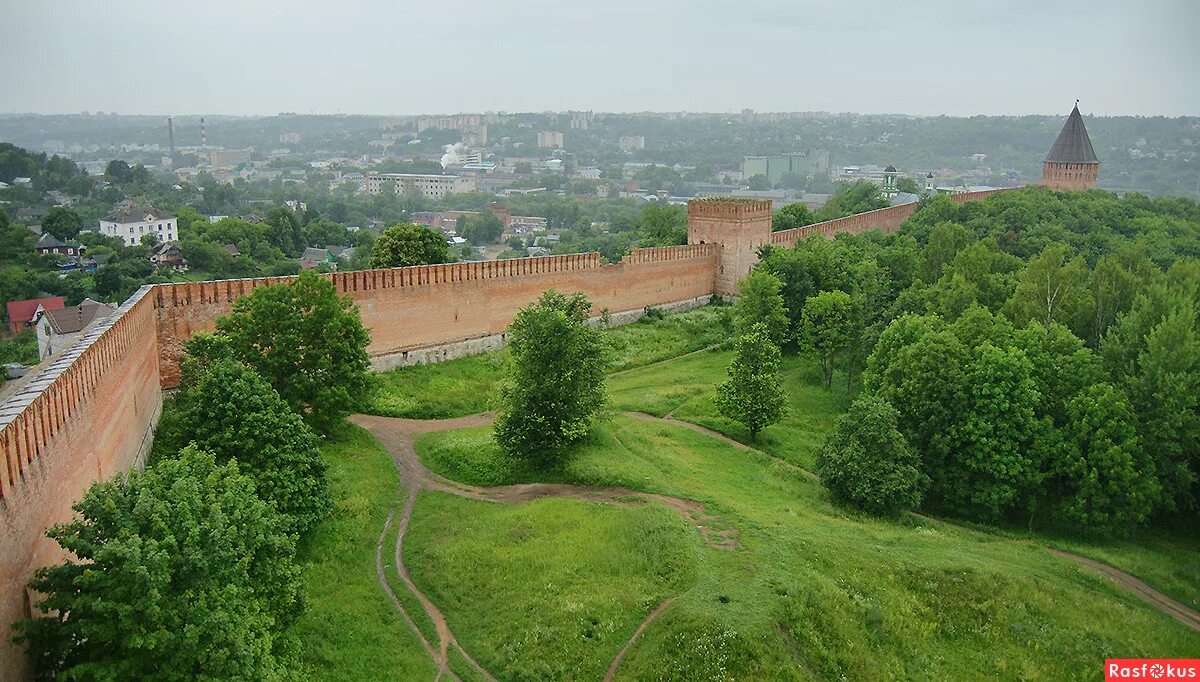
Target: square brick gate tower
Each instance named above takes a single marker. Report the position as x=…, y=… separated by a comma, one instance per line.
x=740, y=226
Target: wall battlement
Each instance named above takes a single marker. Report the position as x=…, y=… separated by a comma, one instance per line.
x=733, y=208
x=91, y=414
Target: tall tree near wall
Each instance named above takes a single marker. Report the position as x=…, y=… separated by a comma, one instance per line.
x=828, y=328
x=753, y=394
x=307, y=341
x=555, y=385
x=406, y=245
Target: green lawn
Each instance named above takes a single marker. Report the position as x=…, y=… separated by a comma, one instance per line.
x=469, y=385
x=815, y=591
x=351, y=630
x=685, y=389
x=550, y=589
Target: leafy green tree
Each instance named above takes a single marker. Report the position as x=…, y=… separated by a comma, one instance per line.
x=227, y=409
x=919, y=368
x=555, y=384
x=753, y=394
x=118, y=172
x=1062, y=366
x=907, y=184
x=944, y=242
x=178, y=573
x=791, y=267
x=662, y=225
x=1165, y=392
x=482, y=229
x=759, y=302
x=286, y=232
x=405, y=245
x=849, y=199
x=758, y=183
x=828, y=328
x=1108, y=483
x=1052, y=289
x=867, y=463
x=791, y=216
x=989, y=468
x=306, y=341
x=63, y=222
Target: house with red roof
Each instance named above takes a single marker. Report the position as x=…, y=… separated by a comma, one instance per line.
x=21, y=313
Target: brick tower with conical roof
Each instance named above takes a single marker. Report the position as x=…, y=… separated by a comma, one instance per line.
x=1071, y=163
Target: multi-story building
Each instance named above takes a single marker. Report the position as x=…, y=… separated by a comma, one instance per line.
x=430, y=186
x=803, y=164
x=289, y=138
x=629, y=143
x=225, y=158
x=475, y=136
x=549, y=139
x=132, y=222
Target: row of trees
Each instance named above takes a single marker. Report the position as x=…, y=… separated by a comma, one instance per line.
x=190, y=569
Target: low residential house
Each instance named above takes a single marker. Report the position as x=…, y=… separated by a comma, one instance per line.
x=21, y=313
x=133, y=221
x=315, y=258
x=58, y=329
x=232, y=249
x=47, y=245
x=168, y=256
x=342, y=253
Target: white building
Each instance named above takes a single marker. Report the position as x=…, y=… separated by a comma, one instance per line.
x=131, y=222
x=548, y=139
x=430, y=186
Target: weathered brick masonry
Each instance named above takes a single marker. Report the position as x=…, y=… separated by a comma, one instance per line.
x=91, y=414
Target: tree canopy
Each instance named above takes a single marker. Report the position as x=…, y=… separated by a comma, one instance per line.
x=178, y=573
x=405, y=245
x=555, y=383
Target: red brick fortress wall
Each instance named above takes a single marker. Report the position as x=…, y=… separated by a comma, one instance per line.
x=410, y=308
x=87, y=417
x=888, y=219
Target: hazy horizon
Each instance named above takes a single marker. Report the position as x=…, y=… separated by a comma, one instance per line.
x=1003, y=58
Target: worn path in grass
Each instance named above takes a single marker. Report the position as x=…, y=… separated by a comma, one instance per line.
x=396, y=436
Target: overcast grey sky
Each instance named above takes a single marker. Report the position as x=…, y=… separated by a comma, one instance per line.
x=957, y=57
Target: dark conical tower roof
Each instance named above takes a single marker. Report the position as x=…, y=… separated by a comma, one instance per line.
x=1073, y=144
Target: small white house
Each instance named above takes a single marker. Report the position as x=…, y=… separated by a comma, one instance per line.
x=131, y=222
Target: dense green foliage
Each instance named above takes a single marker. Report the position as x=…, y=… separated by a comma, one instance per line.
x=868, y=463
x=555, y=385
x=753, y=394
x=306, y=341
x=759, y=302
x=404, y=245
x=180, y=573
x=1006, y=331
x=227, y=409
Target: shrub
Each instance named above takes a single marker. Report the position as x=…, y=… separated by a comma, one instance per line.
x=867, y=463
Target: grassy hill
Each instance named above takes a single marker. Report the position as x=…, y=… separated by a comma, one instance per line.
x=554, y=588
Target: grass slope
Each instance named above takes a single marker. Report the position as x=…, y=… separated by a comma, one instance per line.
x=550, y=589
x=351, y=630
x=815, y=591
x=686, y=387
x=469, y=385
